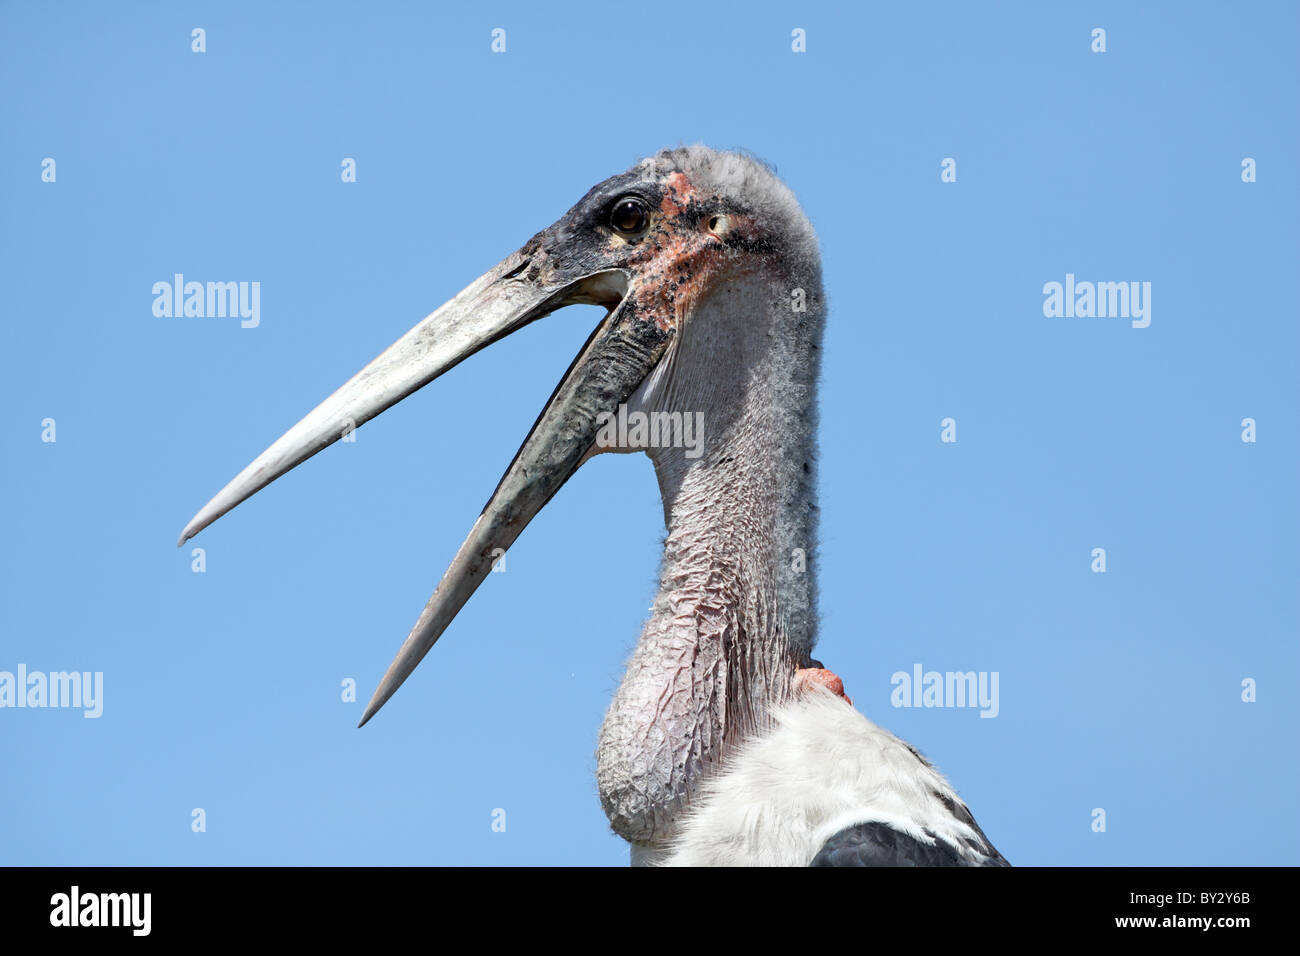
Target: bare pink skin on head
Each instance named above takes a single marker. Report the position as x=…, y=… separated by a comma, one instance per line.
x=681, y=259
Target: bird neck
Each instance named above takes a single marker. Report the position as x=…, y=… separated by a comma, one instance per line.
x=735, y=614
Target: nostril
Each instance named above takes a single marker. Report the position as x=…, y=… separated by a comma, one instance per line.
x=518, y=269
x=713, y=224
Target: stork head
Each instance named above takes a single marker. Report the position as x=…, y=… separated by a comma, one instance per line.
x=651, y=245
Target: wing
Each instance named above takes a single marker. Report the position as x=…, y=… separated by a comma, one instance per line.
x=879, y=844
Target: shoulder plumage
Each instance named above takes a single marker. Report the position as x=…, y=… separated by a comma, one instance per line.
x=827, y=786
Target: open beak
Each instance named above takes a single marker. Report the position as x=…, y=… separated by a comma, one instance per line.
x=617, y=357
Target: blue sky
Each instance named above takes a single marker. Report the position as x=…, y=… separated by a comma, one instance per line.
x=1120, y=691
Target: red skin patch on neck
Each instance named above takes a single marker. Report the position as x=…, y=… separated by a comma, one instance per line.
x=807, y=677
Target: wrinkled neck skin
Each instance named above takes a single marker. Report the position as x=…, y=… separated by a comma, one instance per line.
x=735, y=613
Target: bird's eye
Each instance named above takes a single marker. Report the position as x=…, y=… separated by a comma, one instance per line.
x=630, y=215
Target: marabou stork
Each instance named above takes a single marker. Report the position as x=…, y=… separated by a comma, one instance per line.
x=726, y=742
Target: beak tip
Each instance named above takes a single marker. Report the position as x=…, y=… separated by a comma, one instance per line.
x=189, y=531
x=380, y=697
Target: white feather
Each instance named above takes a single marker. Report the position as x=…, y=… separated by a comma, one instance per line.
x=823, y=768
